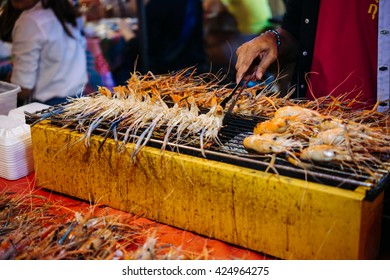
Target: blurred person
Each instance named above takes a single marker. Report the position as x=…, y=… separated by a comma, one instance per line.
x=5, y=49
x=5, y=60
x=229, y=24
x=278, y=8
x=174, y=31
x=48, y=50
x=341, y=48
x=252, y=16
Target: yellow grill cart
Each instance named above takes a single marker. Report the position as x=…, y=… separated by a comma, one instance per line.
x=285, y=217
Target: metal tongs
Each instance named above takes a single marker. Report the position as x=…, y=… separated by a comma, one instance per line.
x=235, y=99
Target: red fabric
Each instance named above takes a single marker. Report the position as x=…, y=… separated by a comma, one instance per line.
x=345, y=52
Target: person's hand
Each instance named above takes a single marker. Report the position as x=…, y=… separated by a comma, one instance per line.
x=255, y=56
x=125, y=30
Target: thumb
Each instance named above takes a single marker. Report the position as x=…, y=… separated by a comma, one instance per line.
x=259, y=73
x=239, y=77
x=265, y=62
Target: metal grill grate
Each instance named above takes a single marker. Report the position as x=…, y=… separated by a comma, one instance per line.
x=232, y=151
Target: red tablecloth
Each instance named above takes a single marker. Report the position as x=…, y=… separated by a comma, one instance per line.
x=195, y=245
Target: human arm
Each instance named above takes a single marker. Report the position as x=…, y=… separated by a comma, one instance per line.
x=264, y=48
x=263, y=51
x=26, y=49
x=126, y=31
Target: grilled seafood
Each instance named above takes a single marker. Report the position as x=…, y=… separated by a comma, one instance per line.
x=335, y=136
x=296, y=113
x=291, y=119
x=170, y=103
x=325, y=153
x=325, y=138
x=330, y=123
x=270, y=143
x=279, y=125
x=131, y=111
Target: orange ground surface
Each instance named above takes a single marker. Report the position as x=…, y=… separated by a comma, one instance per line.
x=195, y=245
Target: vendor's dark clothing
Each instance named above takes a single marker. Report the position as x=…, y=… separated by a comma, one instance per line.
x=174, y=35
x=301, y=18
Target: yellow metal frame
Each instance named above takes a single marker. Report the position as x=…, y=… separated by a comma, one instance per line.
x=280, y=216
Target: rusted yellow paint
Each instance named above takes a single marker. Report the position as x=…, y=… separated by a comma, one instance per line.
x=281, y=216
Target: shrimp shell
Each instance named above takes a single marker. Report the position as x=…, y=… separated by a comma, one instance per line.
x=325, y=153
x=270, y=143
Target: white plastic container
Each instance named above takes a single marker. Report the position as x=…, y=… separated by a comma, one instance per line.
x=16, y=158
x=8, y=97
x=18, y=113
x=16, y=170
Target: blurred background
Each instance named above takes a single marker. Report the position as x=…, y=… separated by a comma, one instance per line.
x=164, y=36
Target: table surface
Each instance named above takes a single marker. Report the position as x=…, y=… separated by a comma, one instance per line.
x=196, y=246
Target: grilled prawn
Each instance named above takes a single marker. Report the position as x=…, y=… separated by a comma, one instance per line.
x=270, y=143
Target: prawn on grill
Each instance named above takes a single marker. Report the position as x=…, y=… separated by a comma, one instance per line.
x=325, y=139
x=334, y=136
x=271, y=143
x=292, y=119
x=325, y=153
x=297, y=113
x=329, y=153
x=272, y=126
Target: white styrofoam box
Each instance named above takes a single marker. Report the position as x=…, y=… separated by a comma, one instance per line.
x=16, y=152
x=9, y=125
x=13, y=131
x=16, y=170
x=8, y=97
x=16, y=158
x=18, y=113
